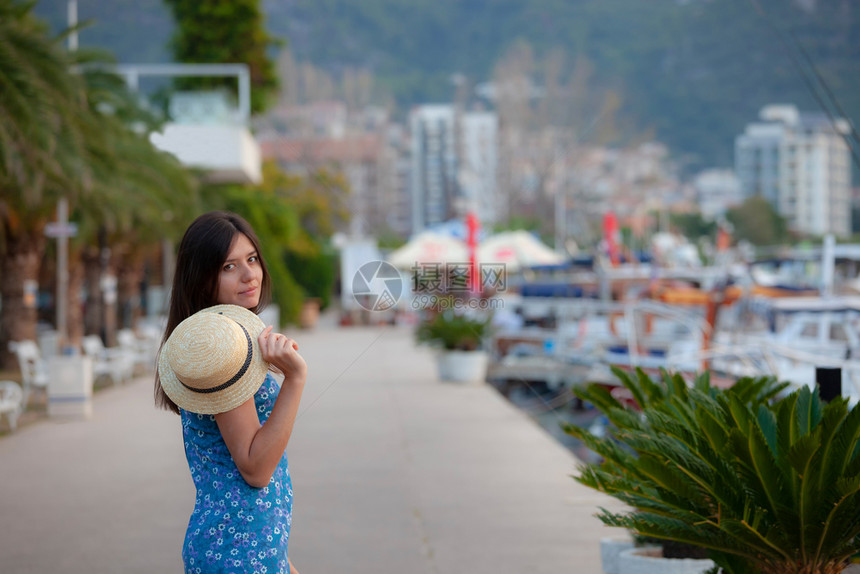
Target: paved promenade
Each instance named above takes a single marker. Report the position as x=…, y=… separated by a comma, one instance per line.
x=393, y=473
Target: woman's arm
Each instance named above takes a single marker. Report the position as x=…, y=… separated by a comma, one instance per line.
x=257, y=449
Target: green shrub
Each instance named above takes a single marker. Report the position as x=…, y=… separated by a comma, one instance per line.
x=453, y=331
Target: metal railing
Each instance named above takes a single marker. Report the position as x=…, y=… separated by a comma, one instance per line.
x=133, y=72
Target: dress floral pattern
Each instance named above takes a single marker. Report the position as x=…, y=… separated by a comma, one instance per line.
x=234, y=527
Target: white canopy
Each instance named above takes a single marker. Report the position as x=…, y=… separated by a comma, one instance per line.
x=517, y=249
x=429, y=247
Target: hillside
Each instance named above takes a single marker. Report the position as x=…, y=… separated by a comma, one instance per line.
x=692, y=71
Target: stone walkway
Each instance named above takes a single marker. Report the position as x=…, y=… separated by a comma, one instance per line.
x=393, y=473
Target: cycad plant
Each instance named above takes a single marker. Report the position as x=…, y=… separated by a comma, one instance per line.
x=766, y=485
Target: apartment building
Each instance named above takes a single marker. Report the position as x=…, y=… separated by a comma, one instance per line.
x=800, y=163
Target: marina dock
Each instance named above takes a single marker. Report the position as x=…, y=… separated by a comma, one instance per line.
x=393, y=472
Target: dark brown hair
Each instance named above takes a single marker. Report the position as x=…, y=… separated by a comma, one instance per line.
x=203, y=250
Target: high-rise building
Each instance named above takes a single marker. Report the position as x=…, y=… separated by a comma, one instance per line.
x=454, y=160
x=434, y=165
x=478, y=164
x=801, y=164
x=396, y=184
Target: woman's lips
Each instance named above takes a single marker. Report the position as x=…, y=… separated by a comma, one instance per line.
x=250, y=291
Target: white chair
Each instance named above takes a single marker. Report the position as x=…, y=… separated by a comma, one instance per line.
x=137, y=350
x=34, y=371
x=114, y=363
x=11, y=402
x=151, y=333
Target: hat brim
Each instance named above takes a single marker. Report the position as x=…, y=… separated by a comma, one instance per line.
x=237, y=393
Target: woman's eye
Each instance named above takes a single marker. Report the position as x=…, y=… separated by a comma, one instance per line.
x=252, y=259
x=228, y=267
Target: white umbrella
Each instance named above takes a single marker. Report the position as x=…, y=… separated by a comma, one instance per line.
x=516, y=249
x=429, y=247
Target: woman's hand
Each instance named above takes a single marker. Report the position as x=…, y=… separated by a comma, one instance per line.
x=282, y=352
x=257, y=449
x=292, y=568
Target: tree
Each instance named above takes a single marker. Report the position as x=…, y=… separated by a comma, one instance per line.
x=226, y=32
x=518, y=222
x=756, y=221
x=693, y=225
x=294, y=217
x=73, y=134
x=545, y=112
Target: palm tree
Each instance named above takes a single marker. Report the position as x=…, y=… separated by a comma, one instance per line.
x=140, y=195
x=79, y=135
x=42, y=106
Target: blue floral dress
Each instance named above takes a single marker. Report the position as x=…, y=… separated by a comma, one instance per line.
x=234, y=527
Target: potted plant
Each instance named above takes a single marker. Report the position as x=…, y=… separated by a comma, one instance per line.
x=642, y=554
x=765, y=484
x=459, y=338
x=310, y=313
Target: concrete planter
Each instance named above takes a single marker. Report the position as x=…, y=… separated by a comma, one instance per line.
x=70, y=387
x=649, y=560
x=463, y=366
x=610, y=549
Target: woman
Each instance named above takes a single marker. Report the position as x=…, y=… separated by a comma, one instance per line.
x=237, y=457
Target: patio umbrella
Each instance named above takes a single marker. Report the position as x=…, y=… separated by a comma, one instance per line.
x=516, y=249
x=428, y=247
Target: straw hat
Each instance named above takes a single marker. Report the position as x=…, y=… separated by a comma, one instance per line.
x=211, y=363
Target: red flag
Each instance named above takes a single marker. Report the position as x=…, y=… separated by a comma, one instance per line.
x=473, y=225
x=610, y=235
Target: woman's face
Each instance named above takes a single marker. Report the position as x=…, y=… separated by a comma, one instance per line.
x=241, y=275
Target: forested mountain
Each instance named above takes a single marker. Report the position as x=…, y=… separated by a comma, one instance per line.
x=693, y=72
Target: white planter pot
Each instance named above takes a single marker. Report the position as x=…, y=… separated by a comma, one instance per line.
x=463, y=366
x=610, y=549
x=649, y=560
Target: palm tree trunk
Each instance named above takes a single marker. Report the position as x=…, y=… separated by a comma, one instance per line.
x=92, y=279
x=130, y=274
x=109, y=303
x=18, y=264
x=74, y=308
